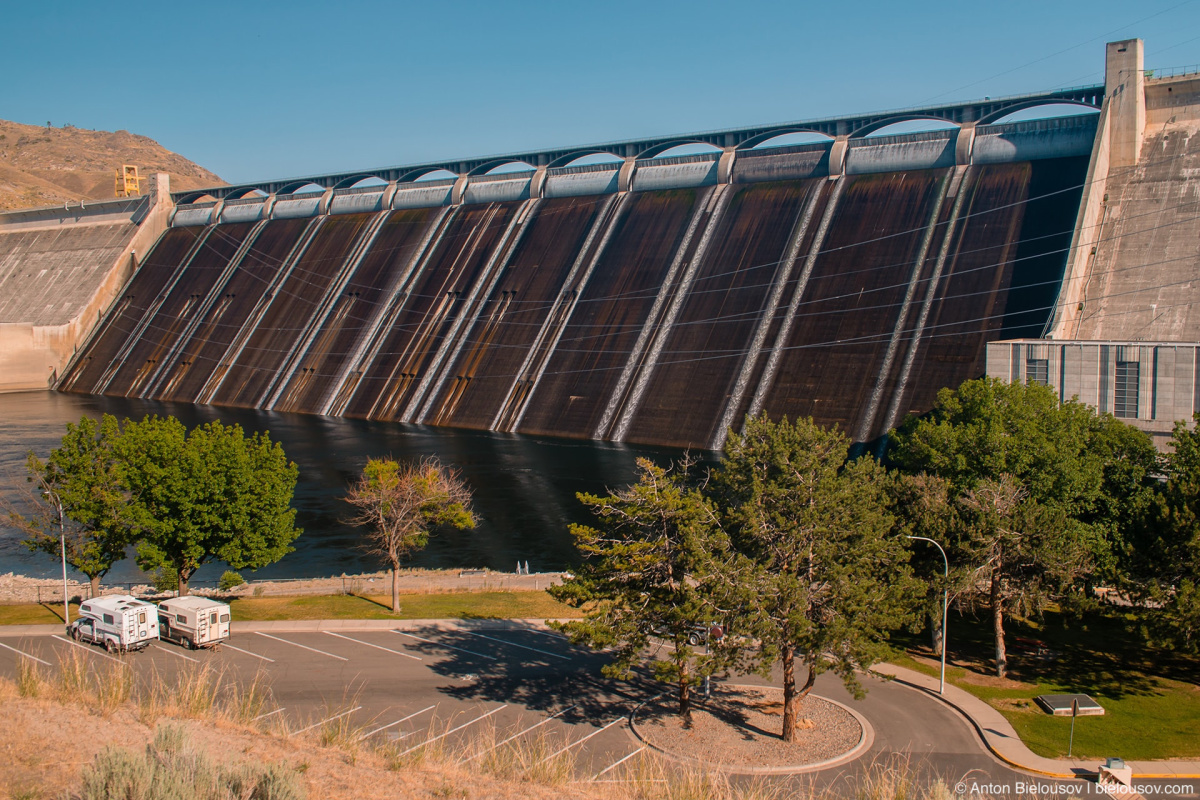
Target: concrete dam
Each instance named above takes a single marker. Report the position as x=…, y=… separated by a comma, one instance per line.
x=654, y=298
x=662, y=314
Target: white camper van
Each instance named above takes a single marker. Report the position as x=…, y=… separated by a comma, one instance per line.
x=193, y=621
x=119, y=622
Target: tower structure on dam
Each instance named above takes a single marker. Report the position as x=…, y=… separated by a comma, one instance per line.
x=649, y=298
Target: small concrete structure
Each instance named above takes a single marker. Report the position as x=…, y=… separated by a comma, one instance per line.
x=60, y=269
x=1064, y=705
x=1149, y=385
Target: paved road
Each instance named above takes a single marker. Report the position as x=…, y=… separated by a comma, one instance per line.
x=455, y=682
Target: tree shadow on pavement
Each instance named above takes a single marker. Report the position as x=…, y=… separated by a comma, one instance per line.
x=529, y=667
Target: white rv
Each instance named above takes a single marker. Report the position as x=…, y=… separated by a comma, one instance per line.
x=193, y=621
x=119, y=622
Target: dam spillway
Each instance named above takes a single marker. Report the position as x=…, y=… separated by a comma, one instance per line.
x=657, y=304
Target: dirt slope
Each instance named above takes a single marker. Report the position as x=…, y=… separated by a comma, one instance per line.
x=42, y=166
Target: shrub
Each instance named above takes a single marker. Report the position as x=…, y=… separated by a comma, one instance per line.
x=169, y=769
x=230, y=579
x=166, y=579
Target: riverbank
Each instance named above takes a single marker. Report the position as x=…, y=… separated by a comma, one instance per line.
x=22, y=590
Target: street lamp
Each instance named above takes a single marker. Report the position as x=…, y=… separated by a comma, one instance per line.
x=62, y=537
x=945, y=606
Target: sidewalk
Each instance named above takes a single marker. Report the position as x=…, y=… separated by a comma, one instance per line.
x=1001, y=739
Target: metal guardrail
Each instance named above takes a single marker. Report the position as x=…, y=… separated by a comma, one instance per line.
x=1091, y=95
x=1172, y=72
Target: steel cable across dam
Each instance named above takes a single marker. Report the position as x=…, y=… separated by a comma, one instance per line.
x=907, y=232
x=756, y=315
x=626, y=296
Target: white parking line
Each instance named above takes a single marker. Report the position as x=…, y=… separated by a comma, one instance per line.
x=247, y=652
x=377, y=647
x=581, y=741
x=331, y=719
x=27, y=655
x=522, y=646
x=397, y=722
x=552, y=634
x=517, y=735
x=304, y=646
x=617, y=764
x=447, y=646
x=268, y=714
x=452, y=730
x=88, y=649
x=180, y=655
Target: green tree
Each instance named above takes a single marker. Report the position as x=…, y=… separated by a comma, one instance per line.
x=85, y=476
x=1027, y=486
x=211, y=494
x=822, y=578
x=923, y=507
x=401, y=504
x=647, y=573
x=1170, y=551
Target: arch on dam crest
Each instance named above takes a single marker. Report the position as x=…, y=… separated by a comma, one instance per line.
x=201, y=196
x=498, y=167
x=362, y=180
x=665, y=149
x=244, y=193
x=764, y=140
x=300, y=187
x=874, y=128
x=573, y=158
x=435, y=173
x=1057, y=108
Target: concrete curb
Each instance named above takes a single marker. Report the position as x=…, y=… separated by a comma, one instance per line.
x=1003, y=742
x=317, y=625
x=302, y=625
x=865, y=740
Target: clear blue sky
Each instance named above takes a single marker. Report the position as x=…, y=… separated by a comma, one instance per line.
x=255, y=90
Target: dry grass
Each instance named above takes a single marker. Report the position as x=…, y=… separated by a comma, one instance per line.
x=44, y=709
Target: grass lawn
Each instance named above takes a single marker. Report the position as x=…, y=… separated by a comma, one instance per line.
x=34, y=614
x=455, y=605
x=1150, y=698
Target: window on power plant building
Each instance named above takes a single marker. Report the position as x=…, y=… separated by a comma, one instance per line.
x=1125, y=402
x=1037, y=370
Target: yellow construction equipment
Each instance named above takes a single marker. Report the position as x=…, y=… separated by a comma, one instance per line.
x=128, y=182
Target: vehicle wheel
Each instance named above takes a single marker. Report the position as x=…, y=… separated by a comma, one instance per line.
x=187, y=643
x=694, y=639
x=76, y=634
x=110, y=645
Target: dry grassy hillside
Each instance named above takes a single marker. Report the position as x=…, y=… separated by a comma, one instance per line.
x=42, y=166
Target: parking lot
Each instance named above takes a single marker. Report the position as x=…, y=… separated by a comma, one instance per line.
x=475, y=684
x=415, y=685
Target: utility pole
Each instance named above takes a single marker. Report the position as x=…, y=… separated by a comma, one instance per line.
x=945, y=606
x=62, y=538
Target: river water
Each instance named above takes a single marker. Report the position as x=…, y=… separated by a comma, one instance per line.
x=524, y=487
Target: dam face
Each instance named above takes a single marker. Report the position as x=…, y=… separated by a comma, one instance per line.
x=658, y=309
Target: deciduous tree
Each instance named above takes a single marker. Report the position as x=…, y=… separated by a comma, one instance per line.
x=1027, y=485
x=401, y=504
x=1170, y=551
x=84, y=475
x=211, y=494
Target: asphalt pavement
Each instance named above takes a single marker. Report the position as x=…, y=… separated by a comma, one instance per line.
x=468, y=684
